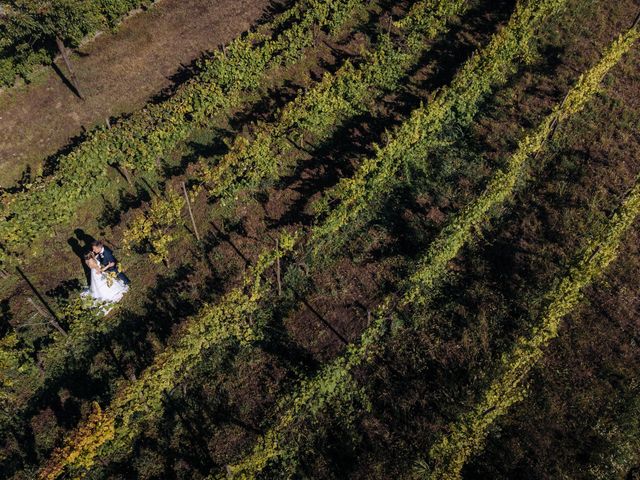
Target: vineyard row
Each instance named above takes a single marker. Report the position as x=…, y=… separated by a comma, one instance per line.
x=312, y=116
x=334, y=389
x=140, y=141
x=83, y=440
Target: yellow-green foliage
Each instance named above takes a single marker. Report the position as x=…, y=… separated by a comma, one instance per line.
x=467, y=435
x=156, y=226
x=97, y=429
x=137, y=142
x=317, y=112
x=460, y=229
x=334, y=387
x=231, y=319
x=361, y=195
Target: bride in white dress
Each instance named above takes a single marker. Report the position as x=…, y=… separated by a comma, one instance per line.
x=103, y=288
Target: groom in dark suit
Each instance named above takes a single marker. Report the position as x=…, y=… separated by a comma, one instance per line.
x=107, y=261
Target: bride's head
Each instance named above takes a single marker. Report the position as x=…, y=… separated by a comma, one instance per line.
x=90, y=258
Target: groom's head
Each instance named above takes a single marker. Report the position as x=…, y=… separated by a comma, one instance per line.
x=97, y=246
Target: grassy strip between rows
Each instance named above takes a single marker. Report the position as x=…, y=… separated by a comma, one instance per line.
x=313, y=116
x=361, y=196
x=138, y=142
x=467, y=435
x=334, y=388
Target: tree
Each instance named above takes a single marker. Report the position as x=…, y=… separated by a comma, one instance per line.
x=33, y=31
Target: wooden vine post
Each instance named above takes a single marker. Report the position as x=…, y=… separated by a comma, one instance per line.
x=278, y=267
x=49, y=314
x=67, y=62
x=188, y=202
x=36, y=292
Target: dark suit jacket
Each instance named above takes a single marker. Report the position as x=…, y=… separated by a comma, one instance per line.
x=107, y=257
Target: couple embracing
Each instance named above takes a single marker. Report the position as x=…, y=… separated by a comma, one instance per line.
x=108, y=284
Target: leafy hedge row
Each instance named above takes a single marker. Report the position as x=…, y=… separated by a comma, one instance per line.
x=466, y=435
x=141, y=140
x=312, y=117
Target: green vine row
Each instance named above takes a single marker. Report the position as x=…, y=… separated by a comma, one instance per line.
x=460, y=229
x=313, y=116
x=466, y=435
x=360, y=196
x=138, y=142
x=334, y=389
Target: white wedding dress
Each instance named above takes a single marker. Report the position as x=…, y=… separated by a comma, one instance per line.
x=101, y=291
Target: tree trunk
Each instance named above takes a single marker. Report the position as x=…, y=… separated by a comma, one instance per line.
x=67, y=62
x=193, y=221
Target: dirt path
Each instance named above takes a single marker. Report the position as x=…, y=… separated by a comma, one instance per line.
x=118, y=74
